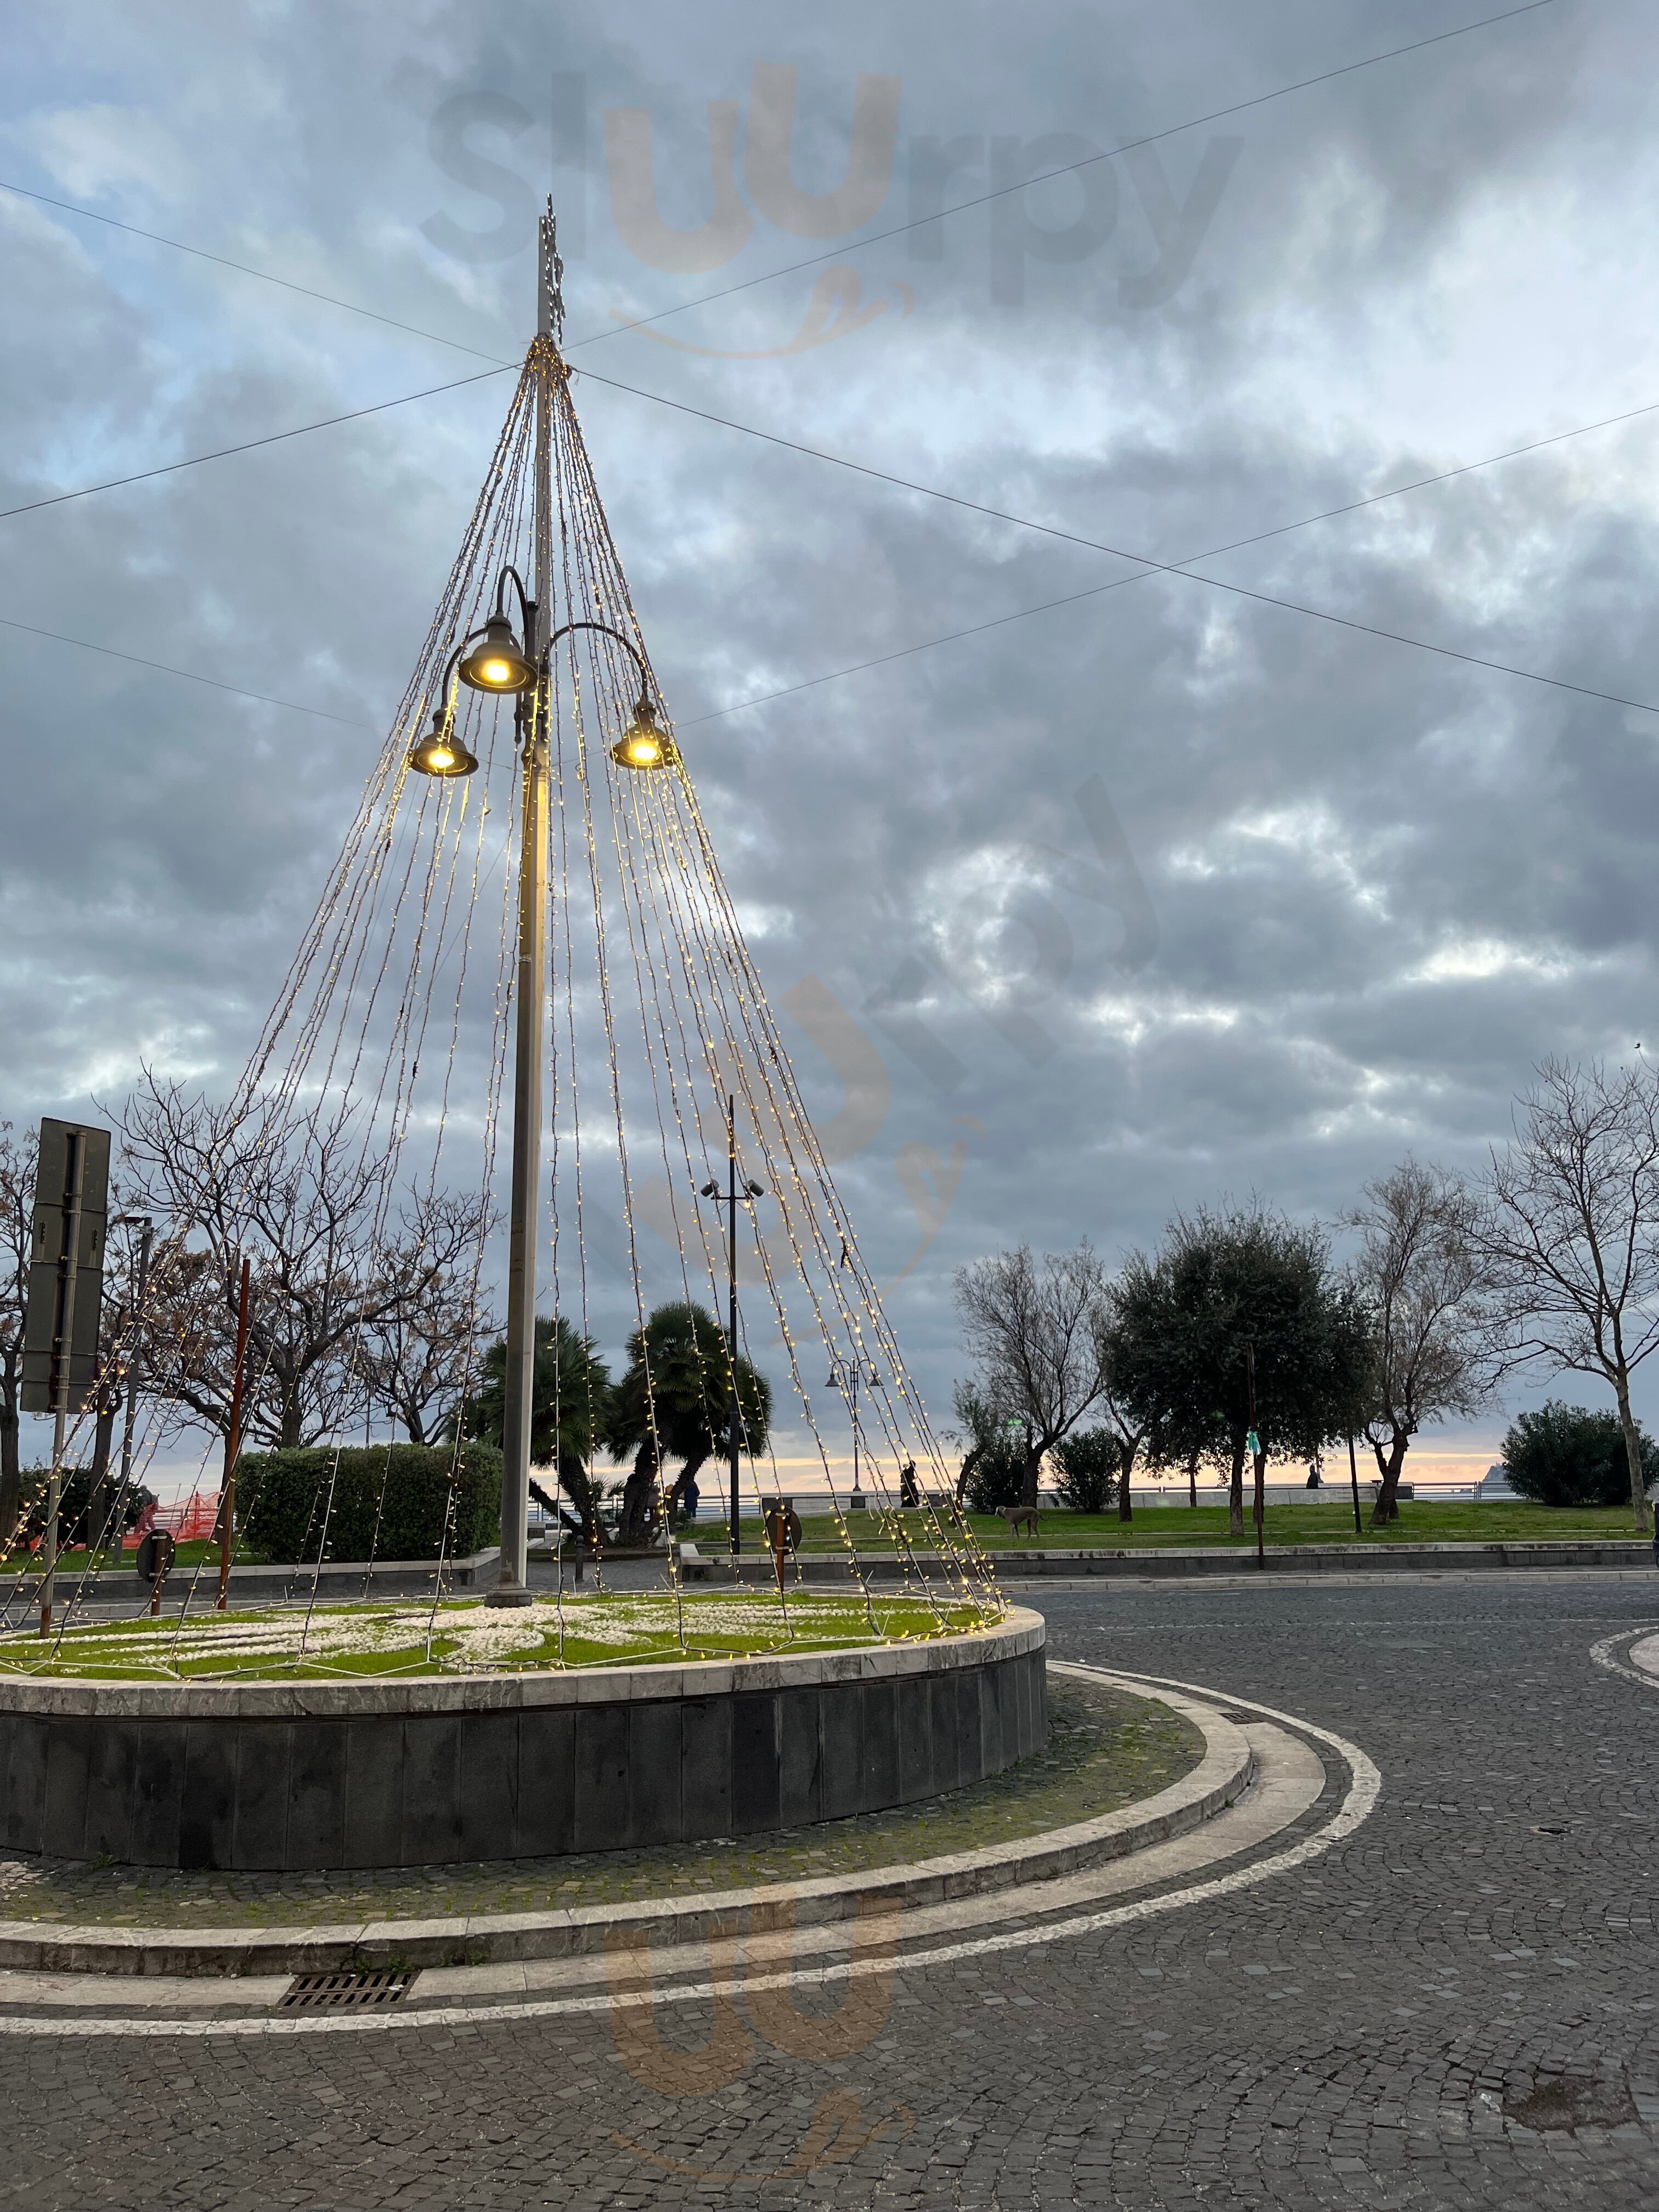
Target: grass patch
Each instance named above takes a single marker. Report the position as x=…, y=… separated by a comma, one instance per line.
x=1421, y=1521
x=465, y=1636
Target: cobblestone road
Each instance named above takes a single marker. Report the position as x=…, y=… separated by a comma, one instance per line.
x=1455, y=2007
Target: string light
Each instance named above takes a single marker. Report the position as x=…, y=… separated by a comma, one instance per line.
x=347, y=1056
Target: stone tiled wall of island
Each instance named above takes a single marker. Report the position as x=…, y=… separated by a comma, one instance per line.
x=309, y=1775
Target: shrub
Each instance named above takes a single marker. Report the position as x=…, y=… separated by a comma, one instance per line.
x=1089, y=1461
x=1569, y=1455
x=280, y=1498
x=998, y=1477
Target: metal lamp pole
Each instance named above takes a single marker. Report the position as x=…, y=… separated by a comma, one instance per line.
x=848, y=1388
x=731, y=1198
x=499, y=665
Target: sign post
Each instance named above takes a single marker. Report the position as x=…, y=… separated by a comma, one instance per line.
x=66, y=1296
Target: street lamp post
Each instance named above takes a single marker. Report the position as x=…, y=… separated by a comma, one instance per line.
x=737, y=1192
x=846, y=1381
x=492, y=659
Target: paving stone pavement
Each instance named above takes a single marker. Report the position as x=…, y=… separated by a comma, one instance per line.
x=1455, y=2007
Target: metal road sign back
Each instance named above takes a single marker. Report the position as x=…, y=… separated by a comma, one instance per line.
x=71, y=1184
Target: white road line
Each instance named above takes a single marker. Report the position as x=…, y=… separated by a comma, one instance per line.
x=1364, y=1790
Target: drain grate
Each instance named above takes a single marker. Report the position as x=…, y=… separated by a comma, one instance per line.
x=344, y=1992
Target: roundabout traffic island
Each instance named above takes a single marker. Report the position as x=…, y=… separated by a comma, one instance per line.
x=1149, y=1795
x=387, y=1736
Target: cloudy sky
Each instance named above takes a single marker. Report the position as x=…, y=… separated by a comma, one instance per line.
x=1156, y=894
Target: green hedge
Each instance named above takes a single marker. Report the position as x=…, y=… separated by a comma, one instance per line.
x=280, y=1497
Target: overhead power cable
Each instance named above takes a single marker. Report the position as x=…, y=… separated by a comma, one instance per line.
x=242, y=269
x=1148, y=565
x=1069, y=169
x=1144, y=561
x=1098, y=591
x=996, y=621
x=166, y=668
x=813, y=260
x=245, y=269
x=1051, y=530
x=247, y=446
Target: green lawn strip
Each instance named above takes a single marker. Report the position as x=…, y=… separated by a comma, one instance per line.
x=626, y=1629
x=1420, y=1522
x=1330, y=1521
x=1107, y=1750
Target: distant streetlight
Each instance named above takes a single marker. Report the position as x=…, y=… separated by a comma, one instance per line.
x=735, y=1194
x=847, y=1380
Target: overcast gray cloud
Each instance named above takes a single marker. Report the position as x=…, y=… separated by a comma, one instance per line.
x=1160, y=894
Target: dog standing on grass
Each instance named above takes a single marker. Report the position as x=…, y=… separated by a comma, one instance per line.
x=1017, y=1514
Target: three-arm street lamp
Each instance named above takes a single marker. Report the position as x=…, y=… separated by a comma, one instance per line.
x=847, y=1380
x=495, y=658
x=738, y=1191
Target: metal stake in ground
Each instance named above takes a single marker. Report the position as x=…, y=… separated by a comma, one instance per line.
x=233, y=1445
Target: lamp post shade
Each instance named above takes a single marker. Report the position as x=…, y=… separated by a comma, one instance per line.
x=642, y=745
x=442, y=751
x=498, y=662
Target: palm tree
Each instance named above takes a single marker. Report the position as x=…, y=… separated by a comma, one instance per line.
x=674, y=1401
x=569, y=1406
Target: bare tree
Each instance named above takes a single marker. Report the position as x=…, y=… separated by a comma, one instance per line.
x=1570, y=1232
x=426, y=1351
x=306, y=1203
x=1423, y=1283
x=1039, y=1332
x=17, y=1165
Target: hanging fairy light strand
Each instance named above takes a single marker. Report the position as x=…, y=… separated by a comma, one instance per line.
x=385, y=1057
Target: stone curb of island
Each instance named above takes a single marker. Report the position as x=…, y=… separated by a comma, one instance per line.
x=1222, y=1777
